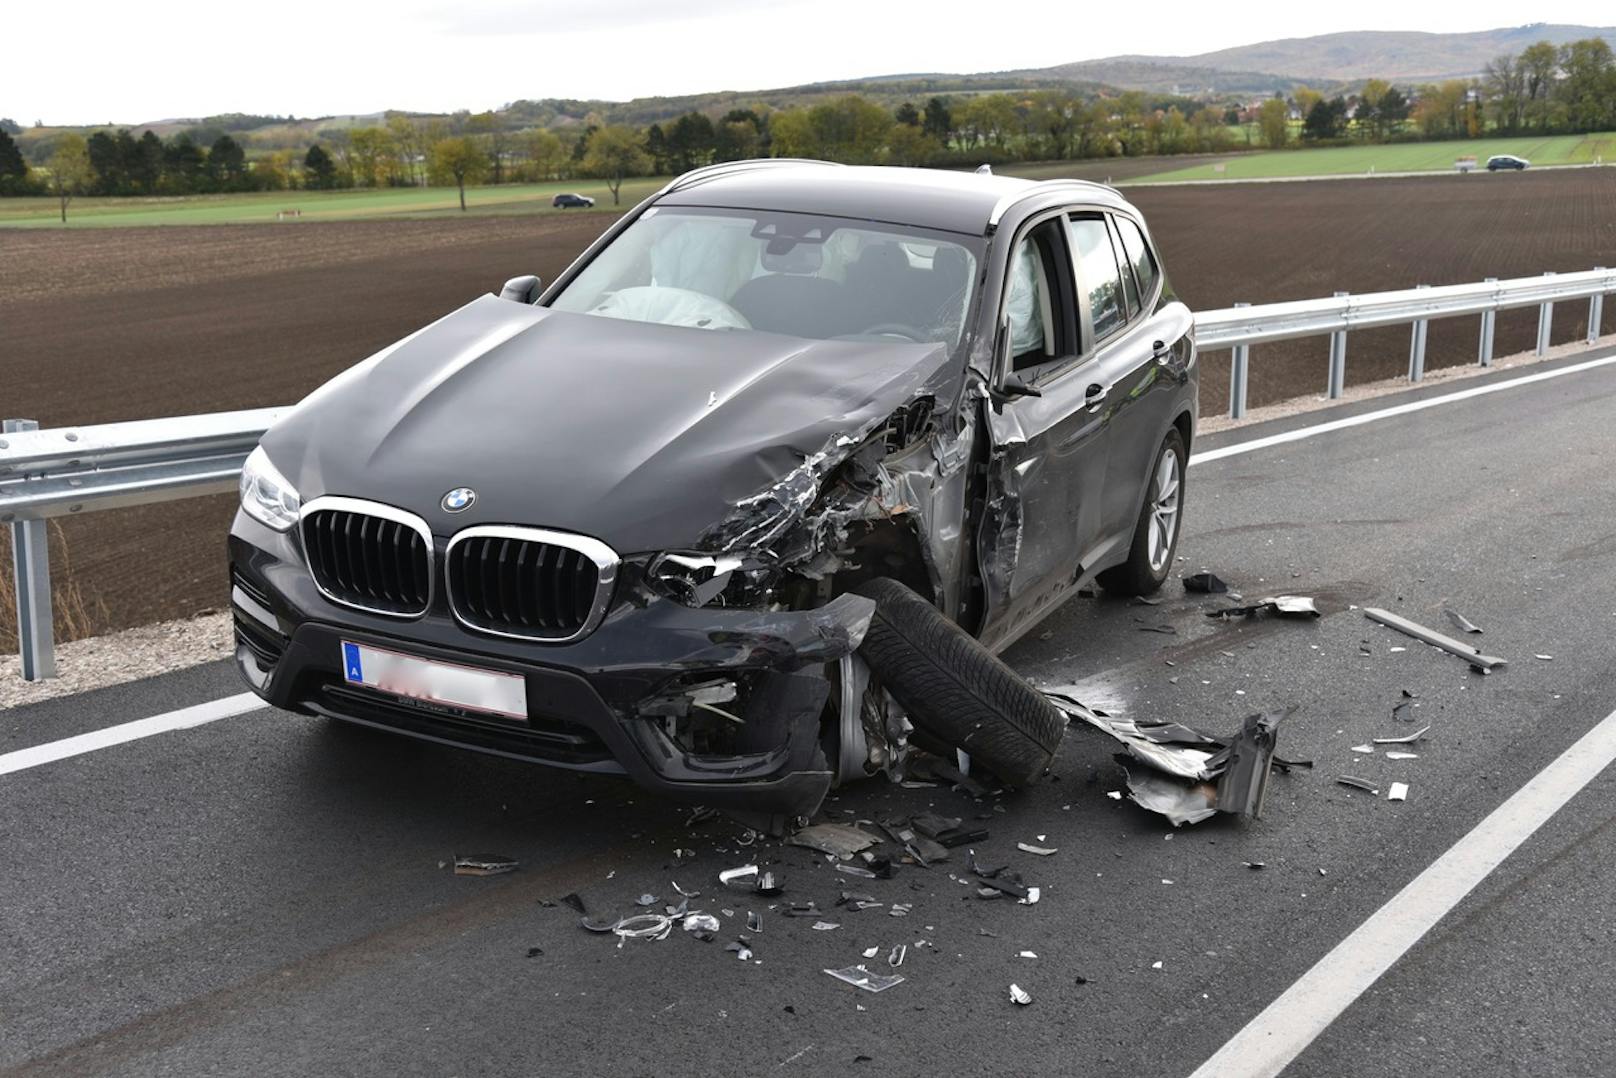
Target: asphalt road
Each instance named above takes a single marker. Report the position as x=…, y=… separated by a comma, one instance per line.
x=267, y=894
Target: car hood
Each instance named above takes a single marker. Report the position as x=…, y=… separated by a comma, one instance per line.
x=644, y=436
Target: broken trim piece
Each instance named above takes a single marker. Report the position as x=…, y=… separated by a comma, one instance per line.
x=1483, y=663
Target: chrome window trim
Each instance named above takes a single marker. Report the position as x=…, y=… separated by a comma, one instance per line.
x=385, y=512
x=605, y=559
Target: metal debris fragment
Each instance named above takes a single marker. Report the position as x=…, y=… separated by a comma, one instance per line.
x=1483, y=663
x=1180, y=803
x=754, y=921
x=859, y=977
x=484, y=864
x=1398, y=792
x=1406, y=739
x=746, y=874
x=836, y=839
x=1460, y=622
x=1020, y=995
x=1041, y=851
x=1363, y=748
x=1285, y=606
x=1205, y=584
x=1545, y=658
x=1359, y=784
x=1402, y=756
x=871, y=952
x=856, y=870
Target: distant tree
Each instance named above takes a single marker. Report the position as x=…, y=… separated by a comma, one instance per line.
x=1273, y=117
x=496, y=141
x=70, y=172
x=1588, y=91
x=691, y=141
x=907, y=115
x=1326, y=119
x=939, y=121
x=545, y=154
x=1231, y=116
x=1305, y=98
x=1538, y=64
x=319, y=171
x=850, y=129
x=750, y=116
x=13, y=169
x=409, y=146
x=227, y=164
x=10, y=126
x=656, y=147
x=1393, y=109
x=184, y=165
x=460, y=159
x=908, y=145
x=1506, y=90
x=735, y=140
x=147, y=171
x=613, y=153
x=106, y=164
x=373, y=154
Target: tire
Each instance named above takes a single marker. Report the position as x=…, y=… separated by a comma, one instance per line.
x=956, y=691
x=1141, y=574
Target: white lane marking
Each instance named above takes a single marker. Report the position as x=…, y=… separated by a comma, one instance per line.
x=1208, y=455
x=183, y=719
x=1288, y=1025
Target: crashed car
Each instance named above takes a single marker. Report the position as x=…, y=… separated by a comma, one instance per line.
x=744, y=503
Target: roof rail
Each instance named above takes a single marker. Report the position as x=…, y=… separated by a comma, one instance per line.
x=723, y=168
x=1043, y=187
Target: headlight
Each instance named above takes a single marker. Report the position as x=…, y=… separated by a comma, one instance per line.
x=711, y=579
x=266, y=495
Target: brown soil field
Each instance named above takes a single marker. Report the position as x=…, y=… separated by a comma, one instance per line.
x=106, y=324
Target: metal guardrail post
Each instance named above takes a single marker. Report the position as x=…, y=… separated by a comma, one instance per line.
x=1416, y=347
x=1596, y=311
x=1338, y=361
x=1545, y=324
x=1239, y=369
x=30, y=560
x=1489, y=319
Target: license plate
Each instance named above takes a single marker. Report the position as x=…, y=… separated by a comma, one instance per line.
x=439, y=683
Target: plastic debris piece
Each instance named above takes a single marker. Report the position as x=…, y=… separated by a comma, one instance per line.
x=1255, y=865
x=701, y=922
x=836, y=839
x=1028, y=954
x=1545, y=658
x=900, y=909
x=754, y=921
x=484, y=864
x=1395, y=755
x=534, y=952
x=742, y=951
x=745, y=875
x=1460, y=622
x=1483, y=663
x=825, y=926
x=1041, y=851
x=896, y=956
x=682, y=891
x=1031, y=897
x=1363, y=748
x=768, y=884
x=1286, y=606
x=1115, y=795
x=647, y=900
x=644, y=926
x=1406, y=739
x=1019, y=995
x=1156, y=964
x=947, y=831
x=1181, y=803
x=1205, y=584
x=1358, y=784
x=1398, y=792
x=1403, y=712
x=575, y=902
x=871, y=952
x=859, y=977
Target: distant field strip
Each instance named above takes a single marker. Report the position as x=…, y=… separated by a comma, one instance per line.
x=1399, y=157
x=353, y=205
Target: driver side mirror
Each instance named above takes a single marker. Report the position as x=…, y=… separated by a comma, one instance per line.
x=1010, y=385
x=523, y=289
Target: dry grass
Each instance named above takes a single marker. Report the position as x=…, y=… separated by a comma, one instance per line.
x=74, y=616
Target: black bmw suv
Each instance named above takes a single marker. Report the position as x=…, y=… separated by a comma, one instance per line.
x=627, y=524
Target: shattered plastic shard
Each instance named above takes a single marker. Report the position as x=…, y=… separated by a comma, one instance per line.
x=1020, y=995
x=825, y=926
x=742, y=951
x=1041, y=851
x=896, y=956
x=746, y=874
x=1460, y=622
x=754, y=921
x=1402, y=756
x=859, y=977
x=871, y=952
x=701, y=922
x=1406, y=739
x=768, y=884
x=836, y=839
x=1205, y=584
x=1359, y=784
x=1403, y=712
x=644, y=926
x=1398, y=792
x=1363, y=748
x=1179, y=802
x=484, y=864
x=856, y=870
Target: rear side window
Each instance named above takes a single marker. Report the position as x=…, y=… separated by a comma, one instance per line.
x=1144, y=263
x=1102, y=280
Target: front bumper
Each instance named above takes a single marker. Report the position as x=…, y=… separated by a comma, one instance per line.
x=586, y=700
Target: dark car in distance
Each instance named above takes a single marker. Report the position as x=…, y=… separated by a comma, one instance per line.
x=569, y=200
x=1505, y=162
x=631, y=524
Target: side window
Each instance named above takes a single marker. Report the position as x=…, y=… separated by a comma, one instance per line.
x=1129, y=287
x=1042, y=323
x=1101, y=279
x=1144, y=263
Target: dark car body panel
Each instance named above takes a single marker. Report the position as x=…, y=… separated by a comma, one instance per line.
x=827, y=459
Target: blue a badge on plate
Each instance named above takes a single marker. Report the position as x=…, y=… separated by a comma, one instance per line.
x=352, y=671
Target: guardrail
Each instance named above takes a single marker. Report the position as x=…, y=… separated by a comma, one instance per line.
x=73, y=470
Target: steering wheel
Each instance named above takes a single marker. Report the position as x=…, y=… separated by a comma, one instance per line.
x=896, y=329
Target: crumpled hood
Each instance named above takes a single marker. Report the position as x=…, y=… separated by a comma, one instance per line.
x=641, y=435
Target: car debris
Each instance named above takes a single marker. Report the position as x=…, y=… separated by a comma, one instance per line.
x=1359, y=784
x=1545, y=658
x=1483, y=663
x=836, y=839
x=1180, y=803
x=742, y=951
x=1403, y=711
x=1402, y=756
x=484, y=864
x=744, y=874
x=1255, y=865
x=754, y=922
x=947, y=831
x=1205, y=584
x=701, y=922
x=1020, y=995
x=1460, y=622
x=1285, y=606
x=1041, y=851
x=1398, y=792
x=650, y=926
x=1406, y=739
x=859, y=977
x=898, y=953
x=1368, y=749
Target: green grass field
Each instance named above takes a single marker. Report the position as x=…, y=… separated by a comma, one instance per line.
x=1400, y=157
x=315, y=205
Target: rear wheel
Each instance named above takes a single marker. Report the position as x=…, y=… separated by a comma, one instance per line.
x=1155, y=534
x=957, y=693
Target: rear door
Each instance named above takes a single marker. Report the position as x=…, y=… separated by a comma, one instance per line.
x=1136, y=353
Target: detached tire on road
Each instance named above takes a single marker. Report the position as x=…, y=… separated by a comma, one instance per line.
x=955, y=690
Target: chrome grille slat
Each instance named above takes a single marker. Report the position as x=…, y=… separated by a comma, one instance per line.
x=368, y=556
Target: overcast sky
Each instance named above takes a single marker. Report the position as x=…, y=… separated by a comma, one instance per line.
x=95, y=61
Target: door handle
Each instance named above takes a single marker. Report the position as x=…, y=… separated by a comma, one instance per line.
x=1161, y=353
x=1095, y=395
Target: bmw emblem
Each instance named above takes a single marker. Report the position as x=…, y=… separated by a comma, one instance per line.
x=458, y=500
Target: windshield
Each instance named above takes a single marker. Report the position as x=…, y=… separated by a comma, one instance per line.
x=791, y=273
